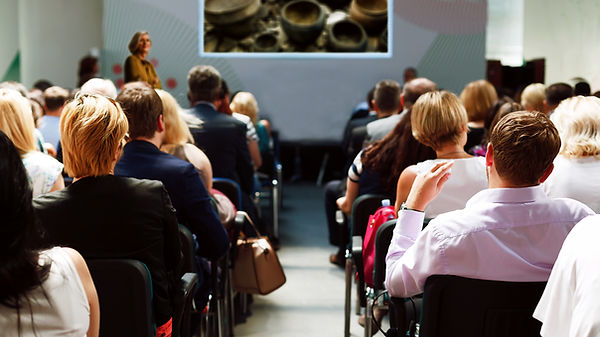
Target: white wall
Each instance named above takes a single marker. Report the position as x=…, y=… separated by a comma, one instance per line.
x=54, y=35
x=8, y=34
x=567, y=35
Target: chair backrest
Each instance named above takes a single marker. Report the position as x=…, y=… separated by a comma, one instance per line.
x=458, y=306
x=362, y=207
x=125, y=293
x=187, y=249
x=230, y=188
x=382, y=243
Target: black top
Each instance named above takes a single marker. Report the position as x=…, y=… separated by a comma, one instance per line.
x=116, y=217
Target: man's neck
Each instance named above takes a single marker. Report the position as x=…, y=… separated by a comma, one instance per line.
x=55, y=113
x=156, y=141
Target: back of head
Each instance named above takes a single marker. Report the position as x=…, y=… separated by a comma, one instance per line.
x=100, y=86
x=533, y=96
x=415, y=88
x=582, y=88
x=245, y=103
x=16, y=120
x=477, y=97
x=438, y=118
x=557, y=92
x=176, y=131
x=92, y=130
x=524, y=145
x=387, y=96
x=55, y=97
x=204, y=83
x=19, y=271
x=578, y=122
x=87, y=65
x=143, y=106
x=42, y=85
x=19, y=87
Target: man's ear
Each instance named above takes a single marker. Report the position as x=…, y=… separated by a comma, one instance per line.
x=375, y=107
x=547, y=173
x=402, y=100
x=489, y=155
x=160, y=124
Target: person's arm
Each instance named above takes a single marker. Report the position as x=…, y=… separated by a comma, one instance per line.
x=134, y=70
x=405, y=182
x=59, y=183
x=414, y=255
x=89, y=288
x=255, y=153
x=345, y=203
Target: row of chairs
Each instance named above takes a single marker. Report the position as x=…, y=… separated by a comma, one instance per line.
x=450, y=305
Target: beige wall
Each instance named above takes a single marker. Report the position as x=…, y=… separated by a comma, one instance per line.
x=54, y=35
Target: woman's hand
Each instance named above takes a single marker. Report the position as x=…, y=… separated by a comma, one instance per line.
x=427, y=185
x=344, y=205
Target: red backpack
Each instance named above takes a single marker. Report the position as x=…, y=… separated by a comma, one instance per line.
x=383, y=214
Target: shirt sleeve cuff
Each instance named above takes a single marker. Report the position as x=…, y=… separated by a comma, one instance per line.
x=409, y=223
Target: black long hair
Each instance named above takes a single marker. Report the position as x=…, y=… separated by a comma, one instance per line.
x=20, y=238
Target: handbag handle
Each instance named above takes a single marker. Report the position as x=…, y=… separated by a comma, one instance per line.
x=247, y=217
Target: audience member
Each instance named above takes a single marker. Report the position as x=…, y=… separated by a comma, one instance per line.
x=582, y=88
x=533, y=96
x=42, y=291
x=570, y=305
x=364, y=108
x=19, y=87
x=88, y=68
x=556, y=93
x=245, y=103
x=410, y=74
x=477, y=97
x=577, y=166
x=54, y=101
x=42, y=85
x=137, y=68
x=355, y=131
x=100, y=86
x=440, y=121
x=16, y=120
x=500, y=108
x=387, y=105
x=492, y=237
x=105, y=216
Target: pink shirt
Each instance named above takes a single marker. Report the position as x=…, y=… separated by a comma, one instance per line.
x=504, y=234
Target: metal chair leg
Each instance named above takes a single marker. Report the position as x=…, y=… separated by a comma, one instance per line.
x=348, y=294
x=369, y=313
x=275, y=206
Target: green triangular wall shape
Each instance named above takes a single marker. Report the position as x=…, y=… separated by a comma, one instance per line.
x=13, y=73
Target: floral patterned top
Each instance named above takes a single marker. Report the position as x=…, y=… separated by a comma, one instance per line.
x=43, y=170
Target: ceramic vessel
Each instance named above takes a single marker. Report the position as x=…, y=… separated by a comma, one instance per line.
x=266, y=43
x=302, y=21
x=346, y=36
x=371, y=14
x=235, y=18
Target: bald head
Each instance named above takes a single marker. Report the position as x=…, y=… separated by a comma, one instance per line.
x=415, y=88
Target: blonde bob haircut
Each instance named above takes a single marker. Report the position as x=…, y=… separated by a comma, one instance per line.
x=477, y=97
x=438, y=118
x=245, y=104
x=92, y=129
x=578, y=122
x=16, y=120
x=533, y=96
x=176, y=131
x=134, y=43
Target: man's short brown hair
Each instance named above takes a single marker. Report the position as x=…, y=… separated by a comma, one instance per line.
x=524, y=145
x=55, y=97
x=204, y=83
x=142, y=106
x=387, y=96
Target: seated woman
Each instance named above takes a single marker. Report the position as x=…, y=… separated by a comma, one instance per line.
x=477, y=97
x=377, y=168
x=577, y=165
x=500, y=108
x=106, y=216
x=43, y=292
x=440, y=121
x=16, y=120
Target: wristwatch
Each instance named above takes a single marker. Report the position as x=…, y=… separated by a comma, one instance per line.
x=404, y=207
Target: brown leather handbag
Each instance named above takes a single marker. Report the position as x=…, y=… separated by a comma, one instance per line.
x=256, y=269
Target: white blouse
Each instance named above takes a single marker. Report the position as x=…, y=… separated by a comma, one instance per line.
x=43, y=170
x=576, y=178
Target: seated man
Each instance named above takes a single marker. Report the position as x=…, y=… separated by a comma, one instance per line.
x=142, y=159
x=509, y=232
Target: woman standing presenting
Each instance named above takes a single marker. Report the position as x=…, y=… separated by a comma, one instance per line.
x=137, y=68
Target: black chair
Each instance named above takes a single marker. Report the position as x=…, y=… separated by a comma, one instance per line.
x=270, y=175
x=362, y=208
x=230, y=188
x=459, y=306
x=124, y=289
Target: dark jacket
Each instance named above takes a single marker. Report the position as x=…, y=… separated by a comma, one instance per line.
x=116, y=217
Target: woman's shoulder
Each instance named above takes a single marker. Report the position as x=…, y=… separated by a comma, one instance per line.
x=37, y=158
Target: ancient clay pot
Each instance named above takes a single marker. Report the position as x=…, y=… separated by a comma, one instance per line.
x=266, y=43
x=302, y=21
x=371, y=14
x=235, y=18
x=346, y=36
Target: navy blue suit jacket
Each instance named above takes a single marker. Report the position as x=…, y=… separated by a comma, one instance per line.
x=143, y=160
x=223, y=139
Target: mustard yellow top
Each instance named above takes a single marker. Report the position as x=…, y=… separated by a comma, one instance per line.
x=137, y=69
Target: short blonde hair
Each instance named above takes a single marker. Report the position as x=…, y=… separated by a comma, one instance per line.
x=437, y=118
x=135, y=41
x=533, y=96
x=477, y=97
x=92, y=128
x=176, y=131
x=16, y=120
x=578, y=122
x=245, y=104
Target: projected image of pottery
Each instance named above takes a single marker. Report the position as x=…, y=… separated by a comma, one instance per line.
x=302, y=21
x=235, y=18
